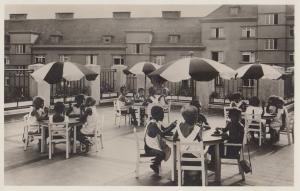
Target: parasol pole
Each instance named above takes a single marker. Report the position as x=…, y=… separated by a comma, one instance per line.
x=145, y=82
x=257, y=87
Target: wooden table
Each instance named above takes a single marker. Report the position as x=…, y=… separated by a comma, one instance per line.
x=208, y=140
x=73, y=123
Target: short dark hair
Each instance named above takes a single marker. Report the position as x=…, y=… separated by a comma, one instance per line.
x=190, y=114
x=122, y=89
x=59, y=107
x=157, y=113
x=151, y=91
x=254, y=101
x=234, y=112
x=79, y=98
x=141, y=89
x=37, y=102
x=90, y=101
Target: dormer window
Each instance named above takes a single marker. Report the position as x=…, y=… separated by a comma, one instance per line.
x=234, y=11
x=107, y=39
x=174, y=38
x=56, y=37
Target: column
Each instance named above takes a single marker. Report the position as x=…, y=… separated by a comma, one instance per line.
x=94, y=86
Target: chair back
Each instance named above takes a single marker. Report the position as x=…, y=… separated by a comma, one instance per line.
x=252, y=120
x=226, y=114
x=57, y=128
x=190, y=148
x=99, y=127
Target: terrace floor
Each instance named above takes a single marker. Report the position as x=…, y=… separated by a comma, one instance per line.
x=273, y=165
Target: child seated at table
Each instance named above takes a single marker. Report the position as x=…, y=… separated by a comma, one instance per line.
x=152, y=99
x=162, y=100
x=38, y=113
x=124, y=101
x=235, y=134
x=89, y=119
x=237, y=101
x=140, y=98
x=201, y=118
x=154, y=133
x=59, y=112
x=76, y=109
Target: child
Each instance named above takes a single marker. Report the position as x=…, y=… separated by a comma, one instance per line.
x=154, y=132
x=189, y=131
x=152, y=98
x=89, y=118
x=235, y=134
x=76, y=109
x=162, y=98
x=201, y=118
x=124, y=101
x=59, y=110
x=37, y=114
x=237, y=101
x=140, y=98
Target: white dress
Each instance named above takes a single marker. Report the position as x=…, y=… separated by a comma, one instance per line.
x=190, y=139
x=91, y=122
x=152, y=142
x=32, y=121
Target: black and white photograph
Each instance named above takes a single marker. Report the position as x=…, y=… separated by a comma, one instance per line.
x=157, y=95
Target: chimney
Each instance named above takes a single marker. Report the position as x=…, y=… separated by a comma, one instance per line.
x=122, y=15
x=18, y=16
x=64, y=15
x=171, y=14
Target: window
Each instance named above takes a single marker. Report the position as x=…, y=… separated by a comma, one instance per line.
x=217, y=32
x=39, y=59
x=20, y=70
x=159, y=60
x=55, y=39
x=271, y=19
x=91, y=59
x=248, y=32
x=106, y=39
x=173, y=38
x=118, y=60
x=234, y=11
x=6, y=60
x=291, y=56
x=270, y=44
x=217, y=56
x=64, y=58
x=248, y=83
x=138, y=49
x=20, y=49
x=291, y=31
x=6, y=81
x=219, y=81
x=248, y=56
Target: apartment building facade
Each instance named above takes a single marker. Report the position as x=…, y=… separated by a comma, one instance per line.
x=232, y=34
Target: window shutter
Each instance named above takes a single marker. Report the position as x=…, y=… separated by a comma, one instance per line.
x=244, y=32
x=221, y=32
x=221, y=56
x=87, y=59
x=213, y=32
x=252, y=31
x=95, y=59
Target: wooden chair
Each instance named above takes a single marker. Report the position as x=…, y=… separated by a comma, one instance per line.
x=167, y=109
x=27, y=134
x=97, y=136
x=253, y=123
x=237, y=159
x=226, y=114
x=289, y=127
x=141, y=156
x=180, y=158
x=120, y=112
x=58, y=133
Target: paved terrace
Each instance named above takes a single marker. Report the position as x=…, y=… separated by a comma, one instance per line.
x=115, y=164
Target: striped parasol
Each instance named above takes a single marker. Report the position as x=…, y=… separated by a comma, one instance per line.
x=55, y=72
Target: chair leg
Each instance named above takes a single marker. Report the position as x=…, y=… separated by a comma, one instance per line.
x=260, y=135
x=203, y=177
x=50, y=150
x=179, y=177
x=137, y=168
x=101, y=141
x=67, y=146
x=25, y=137
x=288, y=134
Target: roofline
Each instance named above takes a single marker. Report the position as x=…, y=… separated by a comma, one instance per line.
x=179, y=46
x=229, y=19
x=22, y=32
x=64, y=46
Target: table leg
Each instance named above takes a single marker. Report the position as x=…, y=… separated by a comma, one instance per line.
x=218, y=164
x=74, y=139
x=43, y=139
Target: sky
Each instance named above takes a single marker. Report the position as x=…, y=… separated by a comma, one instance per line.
x=104, y=11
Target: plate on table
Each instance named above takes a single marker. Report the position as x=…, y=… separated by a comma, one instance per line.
x=217, y=134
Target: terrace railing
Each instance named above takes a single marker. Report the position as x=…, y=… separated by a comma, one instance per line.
x=107, y=83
